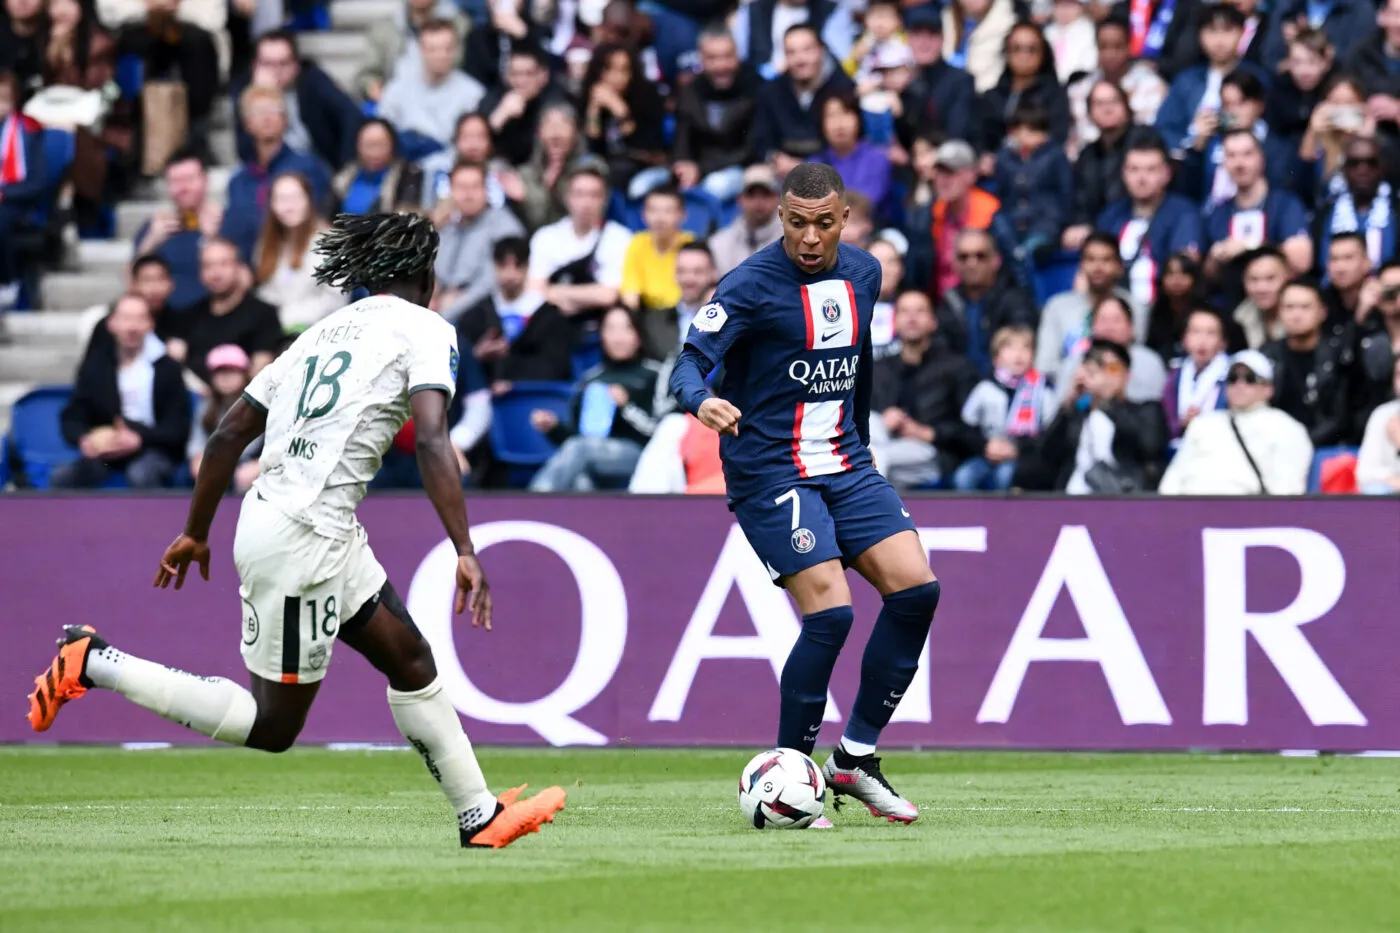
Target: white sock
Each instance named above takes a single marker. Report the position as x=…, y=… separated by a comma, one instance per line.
x=856, y=749
x=212, y=706
x=430, y=723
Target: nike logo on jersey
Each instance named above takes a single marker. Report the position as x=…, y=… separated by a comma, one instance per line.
x=828, y=334
x=904, y=512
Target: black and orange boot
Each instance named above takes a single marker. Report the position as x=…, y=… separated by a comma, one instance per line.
x=65, y=679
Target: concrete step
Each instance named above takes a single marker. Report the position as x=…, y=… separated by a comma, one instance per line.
x=79, y=290
x=358, y=14
x=323, y=46
x=342, y=72
x=131, y=215
x=10, y=392
x=223, y=145
x=46, y=363
x=104, y=256
x=65, y=327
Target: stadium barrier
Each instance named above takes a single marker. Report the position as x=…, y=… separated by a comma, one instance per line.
x=1076, y=624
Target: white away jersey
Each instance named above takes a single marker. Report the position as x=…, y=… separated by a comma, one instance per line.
x=336, y=399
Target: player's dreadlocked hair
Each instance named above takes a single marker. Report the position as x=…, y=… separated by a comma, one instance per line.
x=374, y=251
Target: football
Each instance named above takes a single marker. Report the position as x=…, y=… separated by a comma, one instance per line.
x=781, y=789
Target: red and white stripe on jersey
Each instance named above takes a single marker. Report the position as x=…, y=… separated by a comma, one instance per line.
x=830, y=309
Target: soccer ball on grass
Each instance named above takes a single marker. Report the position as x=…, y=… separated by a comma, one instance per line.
x=781, y=789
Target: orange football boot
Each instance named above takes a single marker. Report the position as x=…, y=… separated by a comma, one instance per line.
x=518, y=818
x=64, y=679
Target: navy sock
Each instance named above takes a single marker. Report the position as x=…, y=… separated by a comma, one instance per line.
x=891, y=658
x=807, y=674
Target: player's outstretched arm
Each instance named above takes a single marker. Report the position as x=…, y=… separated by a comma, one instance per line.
x=243, y=424
x=442, y=480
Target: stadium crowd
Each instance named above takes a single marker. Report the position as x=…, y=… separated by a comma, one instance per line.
x=1126, y=246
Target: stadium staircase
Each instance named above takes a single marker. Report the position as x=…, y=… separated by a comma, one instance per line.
x=48, y=342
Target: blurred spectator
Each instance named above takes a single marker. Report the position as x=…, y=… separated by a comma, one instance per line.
x=464, y=269
x=471, y=142
x=1298, y=89
x=394, y=46
x=622, y=121
x=491, y=42
x=1196, y=382
x=469, y=414
x=24, y=181
x=1312, y=367
x=1265, y=274
x=681, y=457
x=1347, y=23
x=1180, y=289
x=941, y=98
x=1366, y=205
x=1251, y=449
x=863, y=166
x=1378, y=461
x=974, y=36
x=1029, y=77
x=916, y=399
x=1192, y=108
x=166, y=35
x=425, y=103
x=983, y=301
x=514, y=109
x=612, y=415
x=959, y=206
x=879, y=31
x=545, y=179
x=787, y=127
x=882, y=337
x=129, y=412
x=322, y=120
x=664, y=330
x=1098, y=171
x=761, y=30
x=714, y=119
x=1204, y=170
x=649, y=267
x=150, y=281
x=22, y=45
x=757, y=224
x=1101, y=442
x=228, y=377
x=1255, y=214
x=576, y=263
x=1065, y=319
x=1348, y=268
x=379, y=179
x=1009, y=408
x=860, y=222
x=1034, y=182
x=1152, y=223
x=1112, y=322
x=512, y=333
x=1341, y=113
x=1143, y=89
x=230, y=314
x=1376, y=59
x=283, y=265
x=264, y=115
x=174, y=234
x=1071, y=37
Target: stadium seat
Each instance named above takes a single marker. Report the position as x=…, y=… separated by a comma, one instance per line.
x=130, y=75
x=35, y=442
x=514, y=441
x=702, y=212
x=587, y=353
x=1056, y=275
x=1320, y=459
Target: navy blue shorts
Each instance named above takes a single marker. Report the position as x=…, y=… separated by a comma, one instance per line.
x=822, y=518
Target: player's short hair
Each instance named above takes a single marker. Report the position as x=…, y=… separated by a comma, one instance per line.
x=1105, y=239
x=1010, y=332
x=511, y=247
x=1351, y=236
x=148, y=260
x=375, y=251
x=812, y=181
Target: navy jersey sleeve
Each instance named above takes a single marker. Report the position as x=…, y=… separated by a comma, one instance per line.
x=721, y=323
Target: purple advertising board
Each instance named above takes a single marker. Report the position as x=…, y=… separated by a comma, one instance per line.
x=1076, y=624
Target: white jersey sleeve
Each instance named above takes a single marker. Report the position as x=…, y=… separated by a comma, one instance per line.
x=263, y=387
x=433, y=359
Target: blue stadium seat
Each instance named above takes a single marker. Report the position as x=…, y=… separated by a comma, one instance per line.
x=622, y=211
x=35, y=438
x=1321, y=456
x=514, y=441
x=587, y=353
x=130, y=75
x=703, y=212
x=1057, y=275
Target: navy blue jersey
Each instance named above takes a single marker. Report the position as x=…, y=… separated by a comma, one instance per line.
x=793, y=347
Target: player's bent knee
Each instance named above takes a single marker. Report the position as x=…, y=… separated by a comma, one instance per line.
x=273, y=736
x=916, y=603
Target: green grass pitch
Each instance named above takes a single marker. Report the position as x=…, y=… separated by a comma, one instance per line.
x=111, y=840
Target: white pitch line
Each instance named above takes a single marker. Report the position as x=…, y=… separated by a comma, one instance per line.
x=272, y=808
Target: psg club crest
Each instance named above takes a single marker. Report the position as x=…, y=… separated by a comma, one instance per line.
x=831, y=311
x=803, y=540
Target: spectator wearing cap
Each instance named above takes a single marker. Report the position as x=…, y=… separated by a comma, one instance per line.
x=229, y=375
x=24, y=180
x=512, y=332
x=757, y=224
x=576, y=262
x=983, y=301
x=1347, y=23
x=466, y=240
x=514, y=110
x=1029, y=77
x=230, y=314
x=1248, y=449
x=559, y=151
x=321, y=119
x=1241, y=108
x=787, y=128
x=1378, y=461
x=1312, y=366
x=1101, y=442
x=22, y=44
x=1366, y=205
x=1034, y=181
x=1112, y=321
x=864, y=166
x=1136, y=81
x=959, y=206
x=1196, y=382
x=714, y=119
x=761, y=29
x=1098, y=172
x=941, y=98
x=379, y=178
x=1151, y=223
x=1265, y=274
x=264, y=114
x=974, y=37
x=129, y=412
x=1065, y=321
x=1192, y=109
x=425, y=103
x=879, y=36
x=1255, y=213
x=1070, y=35
x=622, y=115
x=174, y=233
x=394, y=46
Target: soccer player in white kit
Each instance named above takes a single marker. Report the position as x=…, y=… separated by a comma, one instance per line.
x=329, y=407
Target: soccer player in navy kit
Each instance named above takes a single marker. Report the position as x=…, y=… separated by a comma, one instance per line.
x=791, y=325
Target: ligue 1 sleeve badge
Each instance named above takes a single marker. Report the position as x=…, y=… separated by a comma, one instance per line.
x=710, y=318
x=454, y=360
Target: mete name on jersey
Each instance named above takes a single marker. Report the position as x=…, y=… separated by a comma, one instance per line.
x=823, y=376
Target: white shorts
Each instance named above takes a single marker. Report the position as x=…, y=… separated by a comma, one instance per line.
x=297, y=588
